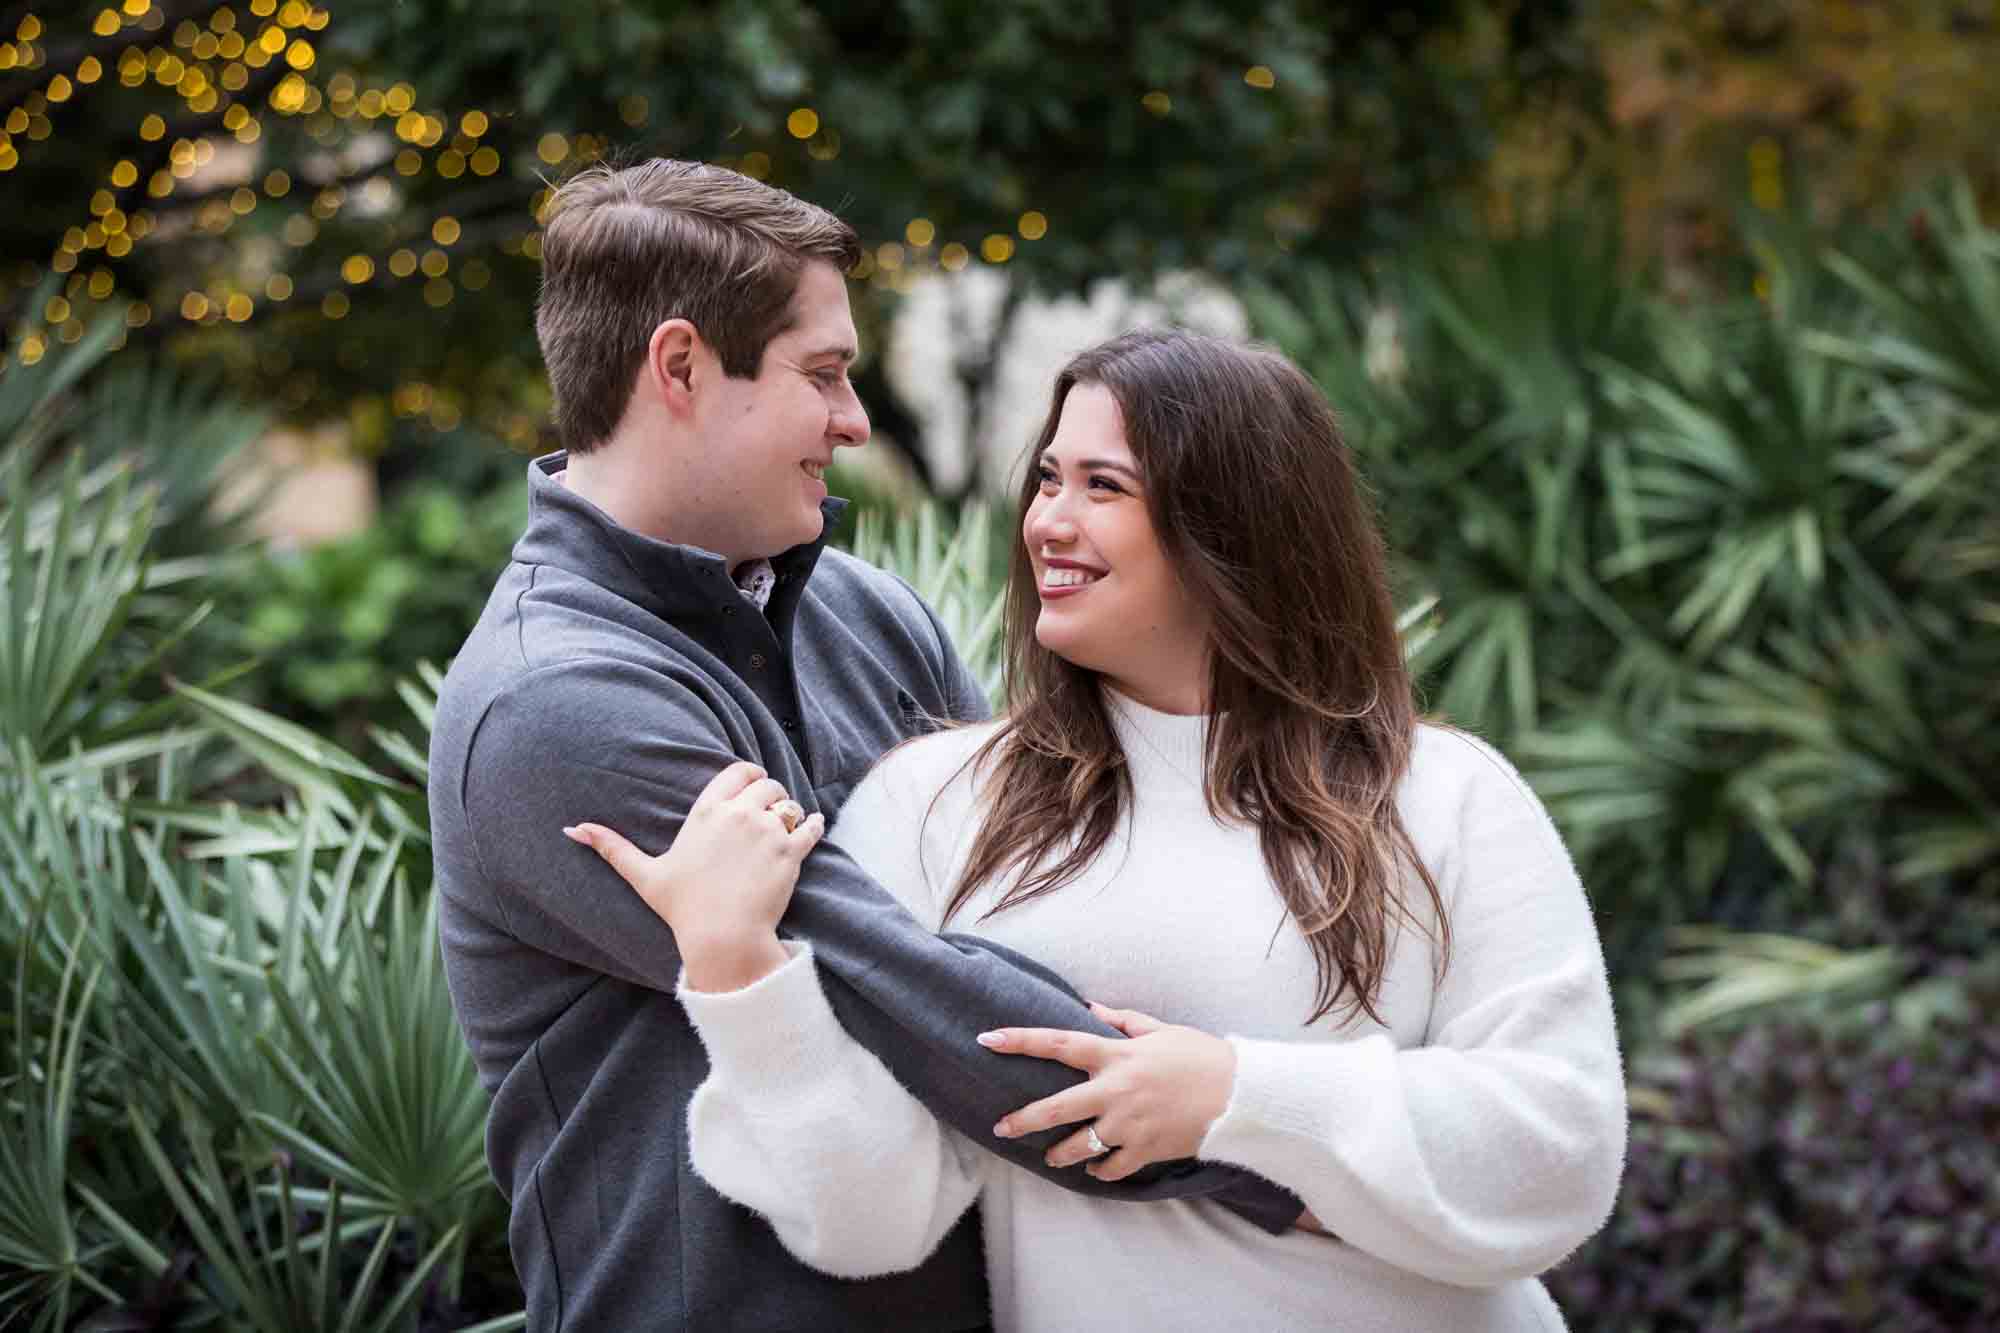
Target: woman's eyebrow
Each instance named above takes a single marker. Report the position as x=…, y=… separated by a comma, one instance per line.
x=1098, y=464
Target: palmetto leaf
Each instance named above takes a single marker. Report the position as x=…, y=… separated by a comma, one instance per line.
x=393, y=1108
x=1742, y=973
x=69, y=569
x=38, y=1239
x=1938, y=323
x=955, y=570
x=290, y=1282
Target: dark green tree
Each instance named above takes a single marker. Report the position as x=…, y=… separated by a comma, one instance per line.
x=359, y=181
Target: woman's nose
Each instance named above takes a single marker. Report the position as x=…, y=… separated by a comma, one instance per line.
x=1050, y=521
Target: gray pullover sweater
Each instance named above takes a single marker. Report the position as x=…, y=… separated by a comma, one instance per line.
x=608, y=679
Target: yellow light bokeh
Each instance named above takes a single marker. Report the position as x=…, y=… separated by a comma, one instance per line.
x=485, y=162
x=279, y=288
x=473, y=123
x=403, y=263
x=1260, y=76
x=193, y=306
x=1033, y=225
x=436, y=263
x=1157, y=102
x=954, y=257
x=152, y=128
x=357, y=269
x=446, y=231
x=803, y=123
x=920, y=232
x=552, y=148
x=997, y=249
x=239, y=308
x=335, y=305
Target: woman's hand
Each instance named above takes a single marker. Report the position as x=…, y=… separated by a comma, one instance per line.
x=1149, y=1099
x=725, y=881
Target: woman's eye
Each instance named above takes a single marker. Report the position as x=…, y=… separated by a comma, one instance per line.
x=1047, y=477
x=1105, y=483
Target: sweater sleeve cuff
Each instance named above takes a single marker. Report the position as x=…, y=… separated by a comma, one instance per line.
x=1280, y=1099
x=769, y=1029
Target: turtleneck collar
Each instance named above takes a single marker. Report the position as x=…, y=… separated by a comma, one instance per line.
x=1162, y=750
x=670, y=580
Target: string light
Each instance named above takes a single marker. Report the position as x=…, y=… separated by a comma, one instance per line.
x=920, y=233
x=1033, y=225
x=1260, y=76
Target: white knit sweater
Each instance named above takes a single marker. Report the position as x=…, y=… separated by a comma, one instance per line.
x=1457, y=1151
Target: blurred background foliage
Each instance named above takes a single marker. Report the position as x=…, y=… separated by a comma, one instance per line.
x=1668, y=335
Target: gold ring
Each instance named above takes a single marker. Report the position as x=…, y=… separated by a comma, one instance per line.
x=789, y=812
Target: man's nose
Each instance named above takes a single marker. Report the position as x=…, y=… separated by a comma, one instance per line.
x=849, y=424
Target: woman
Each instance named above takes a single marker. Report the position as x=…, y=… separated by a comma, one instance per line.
x=1212, y=800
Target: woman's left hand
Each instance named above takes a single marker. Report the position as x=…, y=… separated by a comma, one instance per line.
x=1150, y=1098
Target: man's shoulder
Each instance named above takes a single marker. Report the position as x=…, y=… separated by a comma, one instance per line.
x=852, y=586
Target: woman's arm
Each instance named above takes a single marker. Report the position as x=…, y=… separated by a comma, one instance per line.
x=799, y=1122
x=796, y=1119
x=1486, y=1154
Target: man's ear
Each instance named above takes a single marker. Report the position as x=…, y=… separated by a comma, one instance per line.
x=671, y=357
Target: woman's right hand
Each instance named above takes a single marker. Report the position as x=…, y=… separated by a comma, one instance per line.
x=725, y=881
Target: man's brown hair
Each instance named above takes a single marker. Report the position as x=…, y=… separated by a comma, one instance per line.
x=627, y=248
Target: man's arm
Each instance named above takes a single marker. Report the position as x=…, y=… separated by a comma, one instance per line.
x=616, y=744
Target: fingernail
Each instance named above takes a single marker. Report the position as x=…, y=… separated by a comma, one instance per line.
x=571, y=832
x=1001, y=1131
x=989, y=1039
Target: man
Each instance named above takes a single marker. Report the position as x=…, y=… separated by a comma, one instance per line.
x=657, y=625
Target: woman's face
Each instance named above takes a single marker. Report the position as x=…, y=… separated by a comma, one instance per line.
x=1110, y=601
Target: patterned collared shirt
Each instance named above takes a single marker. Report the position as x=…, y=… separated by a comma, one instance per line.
x=755, y=579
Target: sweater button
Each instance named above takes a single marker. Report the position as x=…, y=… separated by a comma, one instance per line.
x=756, y=661
x=791, y=724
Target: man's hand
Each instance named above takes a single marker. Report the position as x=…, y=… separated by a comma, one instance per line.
x=725, y=881
x=1150, y=1099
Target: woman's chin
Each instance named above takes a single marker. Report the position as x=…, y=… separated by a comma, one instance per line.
x=1064, y=643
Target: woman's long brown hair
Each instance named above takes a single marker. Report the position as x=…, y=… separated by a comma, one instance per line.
x=1256, y=504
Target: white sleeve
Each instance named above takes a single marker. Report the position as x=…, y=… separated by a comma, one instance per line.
x=799, y=1122
x=1494, y=1149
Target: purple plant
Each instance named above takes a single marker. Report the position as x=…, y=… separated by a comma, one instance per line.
x=1833, y=1173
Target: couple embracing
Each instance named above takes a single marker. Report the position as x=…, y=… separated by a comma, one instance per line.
x=1208, y=987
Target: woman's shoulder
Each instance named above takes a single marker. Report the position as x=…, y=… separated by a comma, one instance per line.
x=928, y=765
x=1459, y=782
